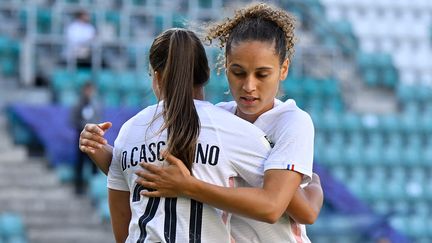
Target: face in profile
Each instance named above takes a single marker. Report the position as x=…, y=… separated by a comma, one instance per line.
x=254, y=73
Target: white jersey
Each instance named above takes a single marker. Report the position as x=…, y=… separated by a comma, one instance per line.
x=228, y=147
x=291, y=131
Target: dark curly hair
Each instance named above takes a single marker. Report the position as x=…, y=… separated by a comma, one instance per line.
x=259, y=21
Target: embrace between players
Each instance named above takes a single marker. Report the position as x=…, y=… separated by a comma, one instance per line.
x=185, y=170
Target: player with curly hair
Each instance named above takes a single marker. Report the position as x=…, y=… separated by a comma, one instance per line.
x=259, y=43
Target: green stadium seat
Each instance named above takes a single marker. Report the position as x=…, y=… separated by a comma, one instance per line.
x=353, y=154
x=127, y=82
x=412, y=155
x=340, y=172
x=351, y=122
x=372, y=154
x=133, y=99
x=390, y=77
x=179, y=20
x=65, y=173
x=82, y=76
x=395, y=189
x=106, y=81
x=111, y=99
x=312, y=88
x=314, y=103
x=104, y=212
x=330, y=88
x=406, y=92
x=292, y=87
x=68, y=98
x=9, y=67
x=44, y=20
x=399, y=222
x=381, y=207
x=63, y=79
x=332, y=121
x=389, y=123
x=11, y=225
x=336, y=104
x=417, y=226
x=113, y=18
x=205, y=3
x=98, y=187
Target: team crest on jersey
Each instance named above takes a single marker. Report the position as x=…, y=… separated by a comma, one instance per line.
x=270, y=142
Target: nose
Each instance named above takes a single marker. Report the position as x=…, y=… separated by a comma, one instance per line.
x=249, y=84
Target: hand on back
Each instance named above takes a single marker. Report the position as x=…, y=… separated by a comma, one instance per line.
x=166, y=181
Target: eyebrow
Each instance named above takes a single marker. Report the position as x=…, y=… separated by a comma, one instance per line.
x=259, y=69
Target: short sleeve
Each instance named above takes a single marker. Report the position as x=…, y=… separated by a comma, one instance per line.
x=115, y=179
x=249, y=155
x=294, y=147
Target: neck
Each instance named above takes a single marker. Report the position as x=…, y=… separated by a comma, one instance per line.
x=198, y=93
x=250, y=118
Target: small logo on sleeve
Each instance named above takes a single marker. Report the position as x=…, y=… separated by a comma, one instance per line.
x=290, y=167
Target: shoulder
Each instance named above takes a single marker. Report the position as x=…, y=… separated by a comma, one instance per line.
x=291, y=117
x=228, y=106
x=141, y=119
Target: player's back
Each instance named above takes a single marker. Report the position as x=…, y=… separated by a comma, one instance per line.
x=227, y=147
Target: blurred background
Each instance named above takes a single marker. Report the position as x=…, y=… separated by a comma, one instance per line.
x=362, y=69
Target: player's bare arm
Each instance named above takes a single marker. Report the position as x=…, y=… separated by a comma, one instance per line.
x=120, y=213
x=306, y=204
x=93, y=143
x=265, y=204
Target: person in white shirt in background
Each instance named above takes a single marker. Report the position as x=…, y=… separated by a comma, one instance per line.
x=79, y=35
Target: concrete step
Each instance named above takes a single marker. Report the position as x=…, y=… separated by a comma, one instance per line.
x=71, y=235
x=57, y=207
x=46, y=222
x=16, y=153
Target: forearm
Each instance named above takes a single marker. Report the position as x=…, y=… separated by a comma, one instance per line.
x=255, y=203
x=306, y=204
x=120, y=214
x=264, y=204
x=102, y=158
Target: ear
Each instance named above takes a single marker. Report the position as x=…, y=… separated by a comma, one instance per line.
x=156, y=84
x=284, y=69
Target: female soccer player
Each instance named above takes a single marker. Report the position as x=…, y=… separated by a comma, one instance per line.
x=180, y=123
x=259, y=42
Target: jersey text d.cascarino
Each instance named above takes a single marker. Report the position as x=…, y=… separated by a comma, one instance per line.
x=205, y=154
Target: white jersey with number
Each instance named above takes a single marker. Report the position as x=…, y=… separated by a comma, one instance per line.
x=228, y=147
x=291, y=131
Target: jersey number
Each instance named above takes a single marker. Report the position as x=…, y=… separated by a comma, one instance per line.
x=170, y=222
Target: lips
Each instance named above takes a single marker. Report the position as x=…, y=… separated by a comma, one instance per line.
x=248, y=100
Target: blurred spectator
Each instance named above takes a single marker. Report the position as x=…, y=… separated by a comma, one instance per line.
x=79, y=35
x=88, y=110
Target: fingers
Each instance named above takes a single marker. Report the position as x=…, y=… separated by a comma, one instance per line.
x=105, y=126
x=86, y=149
x=93, y=128
x=151, y=194
x=171, y=158
x=146, y=184
x=151, y=168
x=91, y=137
x=143, y=175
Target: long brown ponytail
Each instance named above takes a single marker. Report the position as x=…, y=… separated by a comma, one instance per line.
x=178, y=55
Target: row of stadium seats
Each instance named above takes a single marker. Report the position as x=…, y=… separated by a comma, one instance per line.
x=377, y=69
x=409, y=41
